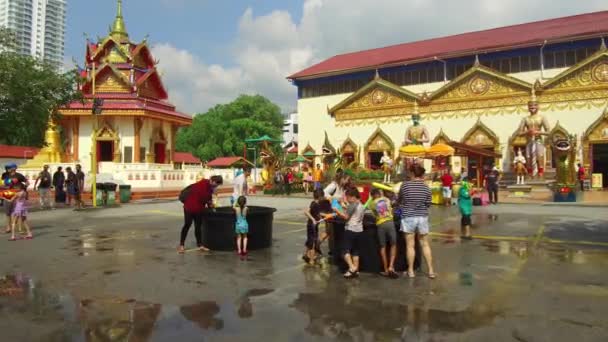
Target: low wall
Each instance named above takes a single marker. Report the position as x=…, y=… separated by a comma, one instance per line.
x=145, y=176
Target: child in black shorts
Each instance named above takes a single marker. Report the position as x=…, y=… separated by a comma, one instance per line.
x=312, y=227
x=352, y=233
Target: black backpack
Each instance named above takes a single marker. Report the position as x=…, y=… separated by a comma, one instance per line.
x=183, y=195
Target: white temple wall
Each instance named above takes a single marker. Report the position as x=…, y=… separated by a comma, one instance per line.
x=85, y=141
x=126, y=130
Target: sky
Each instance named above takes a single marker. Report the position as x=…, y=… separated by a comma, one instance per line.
x=211, y=51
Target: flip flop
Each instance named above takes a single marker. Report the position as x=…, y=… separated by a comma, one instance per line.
x=12, y=239
x=393, y=275
x=409, y=275
x=432, y=275
x=181, y=250
x=203, y=249
x=29, y=237
x=350, y=274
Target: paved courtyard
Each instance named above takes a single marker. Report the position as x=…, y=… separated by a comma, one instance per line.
x=533, y=273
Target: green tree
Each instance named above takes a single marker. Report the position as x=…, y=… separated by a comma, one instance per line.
x=222, y=130
x=29, y=90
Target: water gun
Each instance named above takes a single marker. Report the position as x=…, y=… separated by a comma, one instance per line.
x=394, y=188
x=8, y=194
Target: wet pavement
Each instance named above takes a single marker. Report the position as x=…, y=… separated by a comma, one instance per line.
x=533, y=273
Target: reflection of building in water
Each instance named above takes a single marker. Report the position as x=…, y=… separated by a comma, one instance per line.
x=332, y=315
x=203, y=314
x=117, y=320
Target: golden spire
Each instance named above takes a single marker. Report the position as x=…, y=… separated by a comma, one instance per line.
x=119, y=29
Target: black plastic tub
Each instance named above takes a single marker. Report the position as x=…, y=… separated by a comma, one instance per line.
x=369, y=253
x=218, y=228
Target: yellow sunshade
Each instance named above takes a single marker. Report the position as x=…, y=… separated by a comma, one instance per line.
x=440, y=150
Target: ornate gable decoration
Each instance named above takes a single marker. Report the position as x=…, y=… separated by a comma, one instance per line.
x=480, y=135
x=348, y=146
x=598, y=131
x=106, y=133
x=379, y=98
x=517, y=139
x=588, y=74
x=142, y=57
x=479, y=87
x=151, y=86
x=379, y=142
x=558, y=131
x=108, y=79
x=441, y=138
x=309, y=150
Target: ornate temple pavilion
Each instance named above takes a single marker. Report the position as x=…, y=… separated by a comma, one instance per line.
x=133, y=133
x=471, y=88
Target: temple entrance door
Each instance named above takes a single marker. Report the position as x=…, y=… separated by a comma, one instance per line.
x=159, y=153
x=373, y=160
x=105, y=151
x=600, y=161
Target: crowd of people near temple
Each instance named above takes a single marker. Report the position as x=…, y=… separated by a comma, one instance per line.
x=67, y=187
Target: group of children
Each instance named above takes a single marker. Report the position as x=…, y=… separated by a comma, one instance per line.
x=381, y=205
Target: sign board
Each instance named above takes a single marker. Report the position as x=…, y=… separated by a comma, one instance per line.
x=597, y=180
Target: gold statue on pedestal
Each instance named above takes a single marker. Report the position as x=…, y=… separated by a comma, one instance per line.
x=52, y=152
x=535, y=127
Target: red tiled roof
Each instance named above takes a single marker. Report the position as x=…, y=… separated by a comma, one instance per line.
x=22, y=152
x=530, y=34
x=228, y=161
x=185, y=157
x=136, y=103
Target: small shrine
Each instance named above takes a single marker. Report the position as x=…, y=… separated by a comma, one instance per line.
x=125, y=120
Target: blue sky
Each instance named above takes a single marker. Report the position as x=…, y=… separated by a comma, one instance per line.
x=204, y=27
x=211, y=51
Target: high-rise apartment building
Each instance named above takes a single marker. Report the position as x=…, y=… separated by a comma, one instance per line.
x=39, y=26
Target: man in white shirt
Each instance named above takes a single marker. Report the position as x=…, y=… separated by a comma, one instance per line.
x=240, y=186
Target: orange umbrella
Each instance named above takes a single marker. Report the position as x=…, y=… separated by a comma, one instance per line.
x=413, y=151
x=439, y=150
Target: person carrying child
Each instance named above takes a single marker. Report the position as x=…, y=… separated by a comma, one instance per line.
x=353, y=231
x=383, y=211
x=241, y=226
x=19, y=213
x=312, y=227
x=465, y=204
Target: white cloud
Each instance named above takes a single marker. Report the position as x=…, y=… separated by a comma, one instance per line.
x=271, y=46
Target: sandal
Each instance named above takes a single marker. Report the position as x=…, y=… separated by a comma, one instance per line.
x=409, y=275
x=432, y=275
x=181, y=250
x=350, y=274
x=12, y=239
x=385, y=274
x=393, y=275
x=204, y=249
x=29, y=237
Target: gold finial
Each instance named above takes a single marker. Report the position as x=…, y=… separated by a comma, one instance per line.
x=476, y=64
x=533, y=98
x=119, y=29
x=603, y=46
x=377, y=76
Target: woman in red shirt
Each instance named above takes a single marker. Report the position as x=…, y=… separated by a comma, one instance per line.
x=200, y=195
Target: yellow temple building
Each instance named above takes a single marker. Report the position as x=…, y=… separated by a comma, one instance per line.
x=471, y=88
